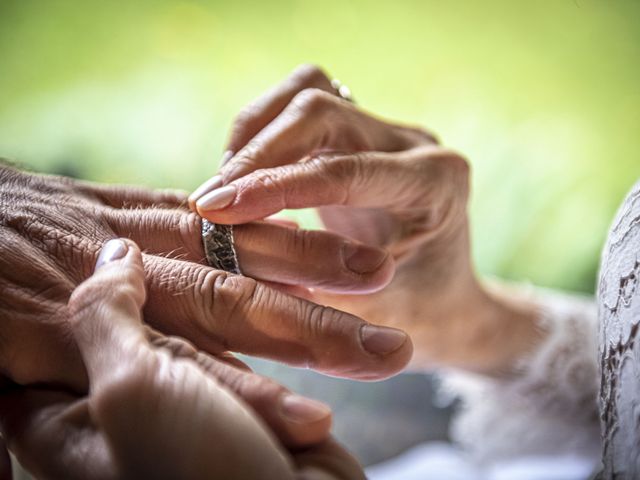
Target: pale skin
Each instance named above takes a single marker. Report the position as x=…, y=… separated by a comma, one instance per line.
x=156, y=407
x=389, y=186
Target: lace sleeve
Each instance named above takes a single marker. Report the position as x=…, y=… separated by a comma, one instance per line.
x=550, y=406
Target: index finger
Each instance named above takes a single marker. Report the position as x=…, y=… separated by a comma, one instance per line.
x=255, y=116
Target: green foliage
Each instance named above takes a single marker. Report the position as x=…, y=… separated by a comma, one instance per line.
x=542, y=96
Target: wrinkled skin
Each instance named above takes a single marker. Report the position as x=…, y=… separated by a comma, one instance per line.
x=387, y=185
x=51, y=229
x=156, y=408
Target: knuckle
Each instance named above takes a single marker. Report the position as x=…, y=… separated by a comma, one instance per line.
x=83, y=300
x=246, y=117
x=253, y=386
x=249, y=157
x=309, y=74
x=227, y=296
x=424, y=135
x=189, y=228
x=347, y=173
x=268, y=182
x=179, y=347
x=312, y=101
x=301, y=242
x=319, y=321
x=446, y=176
x=111, y=290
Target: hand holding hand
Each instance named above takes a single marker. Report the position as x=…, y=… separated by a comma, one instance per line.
x=385, y=185
x=156, y=408
x=52, y=229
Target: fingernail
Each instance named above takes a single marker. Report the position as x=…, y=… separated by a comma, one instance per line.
x=226, y=156
x=381, y=340
x=112, y=250
x=218, y=199
x=211, y=184
x=303, y=410
x=363, y=258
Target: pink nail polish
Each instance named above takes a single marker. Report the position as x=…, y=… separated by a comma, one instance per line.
x=112, y=250
x=217, y=199
x=381, y=340
x=211, y=184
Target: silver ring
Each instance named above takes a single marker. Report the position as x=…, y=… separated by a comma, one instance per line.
x=219, y=247
x=342, y=90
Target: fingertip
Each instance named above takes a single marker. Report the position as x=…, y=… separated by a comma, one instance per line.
x=111, y=251
x=389, y=350
x=374, y=266
x=118, y=249
x=208, y=186
x=308, y=421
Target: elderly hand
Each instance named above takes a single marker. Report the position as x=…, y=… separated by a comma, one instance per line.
x=157, y=408
x=51, y=230
x=386, y=185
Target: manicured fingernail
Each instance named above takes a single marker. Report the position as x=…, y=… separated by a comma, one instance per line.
x=363, y=258
x=226, y=156
x=303, y=410
x=112, y=250
x=211, y=184
x=381, y=340
x=218, y=199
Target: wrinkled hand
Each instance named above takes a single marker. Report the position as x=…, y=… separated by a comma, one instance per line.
x=51, y=230
x=387, y=185
x=157, y=408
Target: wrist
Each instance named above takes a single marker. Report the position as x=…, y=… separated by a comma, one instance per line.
x=487, y=331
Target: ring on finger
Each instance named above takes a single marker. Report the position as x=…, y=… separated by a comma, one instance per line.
x=219, y=247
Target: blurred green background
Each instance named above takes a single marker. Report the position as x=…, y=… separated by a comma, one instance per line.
x=542, y=96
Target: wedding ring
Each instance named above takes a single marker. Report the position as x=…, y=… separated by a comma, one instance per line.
x=342, y=90
x=219, y=248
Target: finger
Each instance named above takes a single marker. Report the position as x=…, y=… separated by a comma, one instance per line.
x=296, y=420
x=180, y=347
x=218, y=311
x=133, y=196
x=266, y=251
x=312, y=258
x=258, y=114
x=105, y=311
x=420, y=180
x=317, y=121
x=255, y=116
x=47, y=428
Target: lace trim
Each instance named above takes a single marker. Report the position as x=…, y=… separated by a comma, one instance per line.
x=550, y=406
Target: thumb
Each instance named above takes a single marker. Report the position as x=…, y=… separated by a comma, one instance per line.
x=105, y=310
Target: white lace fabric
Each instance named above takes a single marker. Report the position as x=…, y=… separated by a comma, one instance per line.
x=549, y=408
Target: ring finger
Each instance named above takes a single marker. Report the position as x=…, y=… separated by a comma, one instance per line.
x=266, y=251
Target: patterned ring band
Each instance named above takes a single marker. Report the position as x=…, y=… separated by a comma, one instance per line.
x=219, y=247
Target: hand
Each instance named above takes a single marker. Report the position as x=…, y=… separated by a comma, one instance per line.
x=383, y=184
x=157, y=408
x=51, y=230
